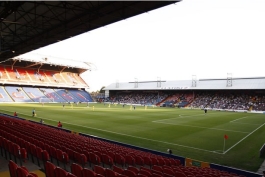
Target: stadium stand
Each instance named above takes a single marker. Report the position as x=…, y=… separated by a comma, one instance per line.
x=3, y=74
x=34, y=93
x=50, y=93
x=17, y=94
x=60, y=152
x=68, y=97
x=81, y=95
x=11, y=73
x=79, y=79
x=227, y=100
x=43, y=145
x=4, y=97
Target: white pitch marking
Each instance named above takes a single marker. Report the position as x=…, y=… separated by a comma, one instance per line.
x=239, y=119
x=183, y=116
x=200, y=127
x=144, y=138
x=243, y=123
x=243, y=139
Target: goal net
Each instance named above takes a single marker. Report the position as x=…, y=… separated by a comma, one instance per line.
x=46, y=100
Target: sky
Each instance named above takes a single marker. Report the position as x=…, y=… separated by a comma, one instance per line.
x=205, y=38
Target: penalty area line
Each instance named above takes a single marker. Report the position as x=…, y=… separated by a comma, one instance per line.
x=199, y=127
x=243, y=138
x=190, y=147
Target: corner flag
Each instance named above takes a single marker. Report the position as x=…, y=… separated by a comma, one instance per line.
x=225, y=137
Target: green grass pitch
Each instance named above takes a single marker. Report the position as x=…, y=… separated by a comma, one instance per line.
x=189, y=133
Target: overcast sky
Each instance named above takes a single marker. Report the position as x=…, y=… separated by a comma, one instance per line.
x=206, y=38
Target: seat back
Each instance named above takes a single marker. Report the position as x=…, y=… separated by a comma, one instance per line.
x=110, y=173
x=99, y=170
x=49, y=169
x=22, y=172
x=12, y=168
x=76, y=170
x=59, y=172
x=117, y=169
x=88, y=173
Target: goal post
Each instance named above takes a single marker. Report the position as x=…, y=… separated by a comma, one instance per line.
x=46, y=100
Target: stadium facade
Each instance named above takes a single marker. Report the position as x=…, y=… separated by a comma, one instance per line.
x=257, y=83
x=240, y=94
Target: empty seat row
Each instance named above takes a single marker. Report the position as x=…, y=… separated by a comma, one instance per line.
x=31, y=137
x=19, y=171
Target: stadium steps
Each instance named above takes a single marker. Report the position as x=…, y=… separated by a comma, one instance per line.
x=8, y=94
x=7, y=74
x=27, y=94
x=30, y=79
x=159, y=103
x=63, y=78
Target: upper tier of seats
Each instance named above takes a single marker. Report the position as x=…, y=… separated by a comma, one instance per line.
x=41, y=77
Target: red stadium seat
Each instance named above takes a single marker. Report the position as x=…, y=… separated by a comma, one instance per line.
x=148, y=161
x=39, y=152
x=110, y=173
x=21, y=172
x=94, y=159
x=99, y=170
x=134, y=169
x=119, y=159
x=71, y=175
x=141, y=175
x=146, y=173
x=129, y=173
x=81, y=159
x=49, y=169
x=12, y=168
x=88, y=173
x=117, y=169
x=107, y=160
x=76, y=170
x=157, y=168
x=129, y=160
x=59, y=172
x=139, y=161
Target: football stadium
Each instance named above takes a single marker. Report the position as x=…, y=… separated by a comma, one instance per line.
x=52, y=126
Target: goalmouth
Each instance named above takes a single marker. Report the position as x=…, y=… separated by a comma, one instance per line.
x=46, y=100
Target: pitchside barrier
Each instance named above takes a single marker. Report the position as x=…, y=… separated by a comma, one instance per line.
x=183, y=160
